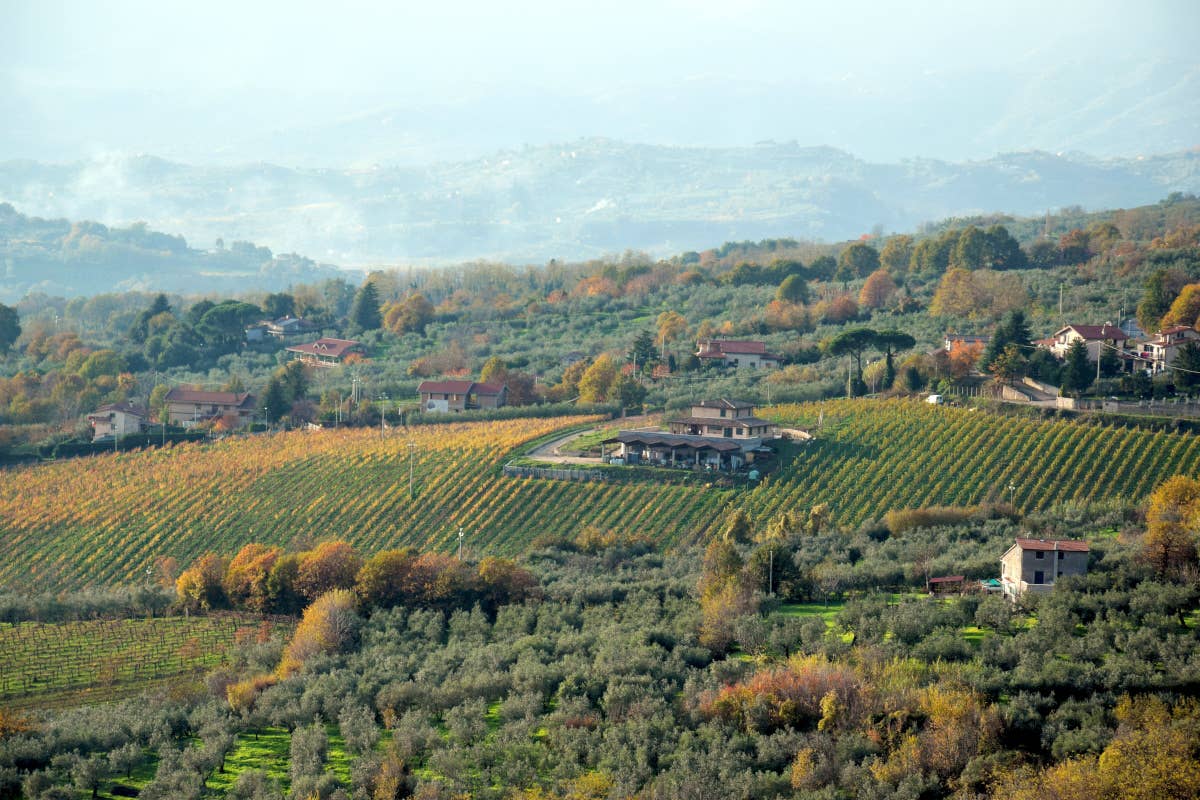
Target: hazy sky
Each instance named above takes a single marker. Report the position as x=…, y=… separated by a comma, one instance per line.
x=346, y=57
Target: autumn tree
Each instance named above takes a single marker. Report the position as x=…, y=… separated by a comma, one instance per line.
x=1172, y=521
x=328, y=566
x=671, y=326
x=1185, y=310
x=201, y=586
x=245, y=579
x=410, y=315
x=381, y=581
x=1009, y=365
x=329, y=624
x=956, y=295
x=596, y=383
x=878, y=290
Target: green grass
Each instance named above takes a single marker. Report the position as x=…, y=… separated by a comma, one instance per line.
x=825, y=612
x=267, y=749
x=142, y=774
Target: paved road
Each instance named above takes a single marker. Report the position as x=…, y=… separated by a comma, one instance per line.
x=551, y=451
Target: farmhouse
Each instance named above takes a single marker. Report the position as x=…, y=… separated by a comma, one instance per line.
x=188, y=407
x=1095, y=338
x=446, y=396
x=1033, y=565
x=717, y=434
x=730, y=419
x=117, y=419
x=326, y=352
x=736, y=354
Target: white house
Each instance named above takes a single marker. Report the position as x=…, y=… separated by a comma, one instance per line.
x=117, y=419
x=1095, y=337
x=1160, y=352
x=738, y=354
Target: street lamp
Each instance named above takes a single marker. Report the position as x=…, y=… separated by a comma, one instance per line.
x=1012, y=490
x=460, y=540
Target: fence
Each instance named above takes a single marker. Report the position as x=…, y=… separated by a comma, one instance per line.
x=556, y=474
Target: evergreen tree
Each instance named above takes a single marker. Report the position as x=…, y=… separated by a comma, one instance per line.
x=10, y=327
x=1156, y=301
x=1013, y=329
x=792, y=290
x=364, y=314
x=275, y=400
x=1078, y=372
x=642, y=353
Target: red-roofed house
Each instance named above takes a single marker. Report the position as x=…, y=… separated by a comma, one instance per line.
x=326, y=352
x=446, y=396
x=187, y=407
x=735, y=353
x=117, y=419
x=1033, y=565
x=1094, y=338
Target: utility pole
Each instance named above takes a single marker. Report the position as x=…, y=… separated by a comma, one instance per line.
x=460, y=540
x=411, y=445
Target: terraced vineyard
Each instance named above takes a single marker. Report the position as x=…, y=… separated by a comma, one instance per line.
x=107, y=518
x=107, y=658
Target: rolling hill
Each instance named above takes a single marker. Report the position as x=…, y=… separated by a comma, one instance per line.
x=105, y=519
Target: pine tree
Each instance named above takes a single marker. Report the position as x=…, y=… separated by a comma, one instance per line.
x=364, y=314
x=1078, y=373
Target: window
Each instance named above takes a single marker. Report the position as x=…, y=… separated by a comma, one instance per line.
x=1060, y=555
x=1039, y=555
x=728, y=432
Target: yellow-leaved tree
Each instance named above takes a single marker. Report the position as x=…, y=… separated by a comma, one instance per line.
x=1172, y=520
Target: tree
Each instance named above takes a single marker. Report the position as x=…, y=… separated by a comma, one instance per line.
x=364, y=313
x=1078, y=372
x=671, y=326
x=201, y=587
x=642, y=353
x=328, y=566
x=1008, y=365
x=10, y=327
x=275, y=400
x=1156, y=300
x=957, y=295
x=853, y=342
x=1172, y=519
x=381, y=580
x=878, y=291
x=629, y=392
x=1185, y=370
x=494, y=371
x=596, y=383
x=1014, y=329
x=1186, y=308
x=245, y=579
x=892, y=342
x=280, y=304
x=896, y=254
x=294, y=379
x=822, y=268
x=1002, y=251
x=411, y=315
x=794, y=289
x=857, y=261
x=224, y=325
x=970, y=251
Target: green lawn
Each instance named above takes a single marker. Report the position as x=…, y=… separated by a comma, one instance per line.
x=826, y=612
x=267, y=749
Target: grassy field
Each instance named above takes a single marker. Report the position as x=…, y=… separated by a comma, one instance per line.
x=869, y=457
x=70, y=662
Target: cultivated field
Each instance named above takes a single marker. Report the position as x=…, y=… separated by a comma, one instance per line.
x=106, y=519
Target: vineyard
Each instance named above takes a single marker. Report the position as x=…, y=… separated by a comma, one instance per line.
x=107, y=519
x=106, y=658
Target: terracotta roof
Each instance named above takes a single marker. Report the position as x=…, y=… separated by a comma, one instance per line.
x=1174, y=329
x=723, y=403
x=715, y=348
x=126, y=407
x=179, y=395
x=326, y=347
x=1070, y=545
x=459, y=387
x=677, y=440
x=1094, y=332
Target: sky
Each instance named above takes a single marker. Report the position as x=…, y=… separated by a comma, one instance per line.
x=192, y=78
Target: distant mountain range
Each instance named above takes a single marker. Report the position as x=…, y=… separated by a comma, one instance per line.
x=576, y=200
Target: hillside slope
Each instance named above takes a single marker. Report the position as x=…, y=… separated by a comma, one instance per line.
x=106, y=519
